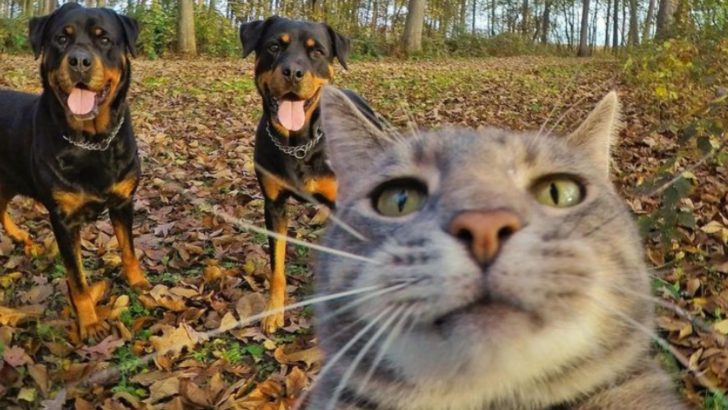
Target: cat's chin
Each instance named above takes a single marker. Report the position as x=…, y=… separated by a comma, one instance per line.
x=484, y=316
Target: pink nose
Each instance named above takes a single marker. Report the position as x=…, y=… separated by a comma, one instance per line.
x=484, y=232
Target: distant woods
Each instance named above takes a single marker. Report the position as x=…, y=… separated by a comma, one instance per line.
x=403, y=27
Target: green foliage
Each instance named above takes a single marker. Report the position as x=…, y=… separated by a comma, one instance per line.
x=215, y=35
x=157, y=33
x=14, y=34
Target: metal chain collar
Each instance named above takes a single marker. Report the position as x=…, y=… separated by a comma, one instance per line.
x=102, y=145
x=296, y=151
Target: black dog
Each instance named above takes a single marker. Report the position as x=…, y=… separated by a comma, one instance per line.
x=72, y=148
x=293, y=61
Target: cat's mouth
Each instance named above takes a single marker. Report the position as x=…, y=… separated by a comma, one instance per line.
x=487, y=305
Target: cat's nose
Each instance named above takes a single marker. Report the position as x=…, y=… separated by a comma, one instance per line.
x=484, y=232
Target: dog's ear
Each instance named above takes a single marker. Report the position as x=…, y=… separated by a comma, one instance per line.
x=250, y=34
x=341, y=45
x=130, y=27
x=37, y=27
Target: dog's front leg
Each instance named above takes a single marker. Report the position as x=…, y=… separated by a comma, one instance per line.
x=83, y=296
x=122, y=218
x=276, y=220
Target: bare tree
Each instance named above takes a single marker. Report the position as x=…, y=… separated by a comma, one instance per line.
x=615, y=26
x=412, y=37
x=186, y=43
x=546, y=21
x=647, y=27
x=633, y=35
x=664, y=18
x=584, y=34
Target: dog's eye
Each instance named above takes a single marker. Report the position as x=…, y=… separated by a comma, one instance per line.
x=399, y=197
x=62, y=39
x=558, y=191
x=317, y=53
x=274, y=48
x=105, y=40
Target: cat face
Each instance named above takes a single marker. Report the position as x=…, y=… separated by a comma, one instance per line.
x=499, y=261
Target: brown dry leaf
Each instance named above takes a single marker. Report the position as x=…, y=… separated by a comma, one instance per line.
x=11, y=317
x=175, y=339
x=721, y=327
x=228, y=322
x=195, y=394
x=8, y=279
x=161, y=389
x=55, y=403
x=164, y=298
x=308, y=356
x=296, y=382
x=16, y=356
x=103, y=350
x=250, y=304
x=39, y=373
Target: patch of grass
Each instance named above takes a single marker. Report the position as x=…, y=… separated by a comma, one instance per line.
x=134, y=311
x=715, y=401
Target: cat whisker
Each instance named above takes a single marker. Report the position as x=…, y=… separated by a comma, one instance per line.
x=700, y=323
x=361, y=300
x=384, y=347
x=348, y=228
x=662, y=342
x=360, y=355
x=312, y=301
x=340, y=353
x=250, y=227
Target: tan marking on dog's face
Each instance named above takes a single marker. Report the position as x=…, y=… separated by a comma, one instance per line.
x=310, y=43
x=285, y=38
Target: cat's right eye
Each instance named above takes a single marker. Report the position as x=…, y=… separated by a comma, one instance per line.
x=399, y=197
x=559, y=191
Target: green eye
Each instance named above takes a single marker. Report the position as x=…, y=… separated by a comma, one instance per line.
x=558, y=191
x=399, y=198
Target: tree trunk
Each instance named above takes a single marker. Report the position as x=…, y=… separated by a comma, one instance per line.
x=606, y=25
x=615, y=26
x=546, y=22
x=475, y=12
x=647, y=28
x=49, y=6
x=524, y=23
x=633, y=36
x=412, y=37
x=186, y=43
x=584, y=35
x=664, y=18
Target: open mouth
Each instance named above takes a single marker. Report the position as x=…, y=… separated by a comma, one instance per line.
x=291, y=110
x=83, y=102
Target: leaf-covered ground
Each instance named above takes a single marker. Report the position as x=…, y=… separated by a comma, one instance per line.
x=195, y=122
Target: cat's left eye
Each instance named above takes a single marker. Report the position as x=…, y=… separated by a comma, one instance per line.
x=560, y=191
x=399, y=198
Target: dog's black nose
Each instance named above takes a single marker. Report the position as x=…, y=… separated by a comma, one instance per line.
x=79, y=60
x=293, y=74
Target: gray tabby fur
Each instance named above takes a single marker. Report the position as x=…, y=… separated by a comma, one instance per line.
x=554, y=332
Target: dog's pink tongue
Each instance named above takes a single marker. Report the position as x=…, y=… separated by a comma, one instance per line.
x=291, y=114
x=81, y=102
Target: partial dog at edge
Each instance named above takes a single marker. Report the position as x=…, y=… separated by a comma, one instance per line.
x=72, y=148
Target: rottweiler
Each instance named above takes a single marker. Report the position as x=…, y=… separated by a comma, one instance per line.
x=293, y=61
x=72, y=148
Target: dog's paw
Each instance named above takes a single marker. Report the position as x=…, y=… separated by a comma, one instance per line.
x=94, y=332
x=272, y=323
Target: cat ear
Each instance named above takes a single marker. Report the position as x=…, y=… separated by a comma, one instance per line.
x=352, y=139
x=594, y=136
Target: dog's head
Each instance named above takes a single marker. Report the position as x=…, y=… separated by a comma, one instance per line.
x=85, y=61
x=293, y=60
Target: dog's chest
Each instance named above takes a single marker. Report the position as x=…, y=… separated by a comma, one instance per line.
x=96, y=181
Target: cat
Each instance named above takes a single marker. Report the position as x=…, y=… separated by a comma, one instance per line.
x=498, y=270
